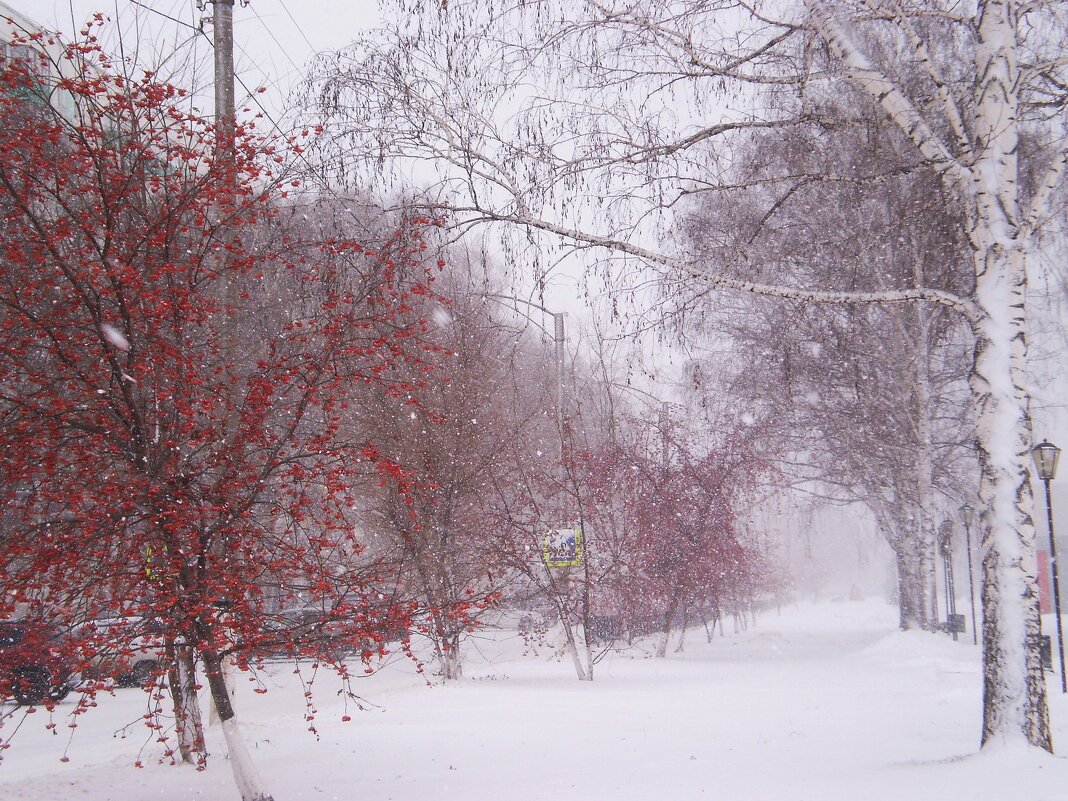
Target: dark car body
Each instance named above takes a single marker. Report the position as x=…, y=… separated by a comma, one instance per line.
x=35, y=665
x=126, y=650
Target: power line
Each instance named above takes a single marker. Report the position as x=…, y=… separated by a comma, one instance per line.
x=274, y=38
x=253, y=96
x=165, y=16
x=296, y=24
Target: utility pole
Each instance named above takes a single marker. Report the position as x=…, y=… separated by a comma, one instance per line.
x=225, y=127
x=223, y=37
x=946, y=546
x=969, y=518
x=665, y=456
x=558, y=338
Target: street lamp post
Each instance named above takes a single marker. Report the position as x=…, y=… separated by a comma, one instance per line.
x=560, y=358
x=559, y=354
x=1045, y=455
x=969, y=518
x=946, y=546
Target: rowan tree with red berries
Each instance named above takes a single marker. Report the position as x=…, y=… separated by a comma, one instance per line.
x=177, y=363
x=467, y=434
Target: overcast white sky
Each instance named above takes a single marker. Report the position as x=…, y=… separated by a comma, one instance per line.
x=273, y=38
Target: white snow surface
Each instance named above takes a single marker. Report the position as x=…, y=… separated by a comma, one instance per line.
x=821, y=702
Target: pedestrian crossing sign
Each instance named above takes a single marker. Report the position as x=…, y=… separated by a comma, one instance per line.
x=563, y=547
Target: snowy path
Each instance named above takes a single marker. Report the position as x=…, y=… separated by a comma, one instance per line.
x=821, y=703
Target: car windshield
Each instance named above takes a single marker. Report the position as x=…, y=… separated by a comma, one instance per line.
x=10, y=634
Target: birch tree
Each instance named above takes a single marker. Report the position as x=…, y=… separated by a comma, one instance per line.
x=888, y=432
x=588, y=122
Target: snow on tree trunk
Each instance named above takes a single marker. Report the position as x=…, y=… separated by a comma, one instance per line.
x=183, y=687
x=246, y=777
x=1014, y=687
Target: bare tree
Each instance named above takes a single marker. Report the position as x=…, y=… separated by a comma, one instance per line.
x=456, y=438
x=888, y=431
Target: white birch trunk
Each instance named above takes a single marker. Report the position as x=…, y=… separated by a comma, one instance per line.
x=925, y=547
x=910, y=584
x=246, y=777
x=189, y=725
x=451, y=666
x=986, y=180
x=572, y=648
x=558, y=588
x=1014, y=686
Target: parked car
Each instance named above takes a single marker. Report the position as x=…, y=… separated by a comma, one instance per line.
x=34, y=663
x=128, y=650
x=311, y=632
x=306, y=631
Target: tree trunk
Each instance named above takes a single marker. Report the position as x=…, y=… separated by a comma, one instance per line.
x=669, y=621
x=246, y=777
x=181, y=679
x=1014, y=686
x=704, y=622
x=586, y=603
x=451, y=667
x=584, y=673
x=558, y=589
x=921, y=409
x=910, y=596
x=682, y=634
x=228, y=676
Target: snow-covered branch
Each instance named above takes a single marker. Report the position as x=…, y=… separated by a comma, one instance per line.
x=887, y=94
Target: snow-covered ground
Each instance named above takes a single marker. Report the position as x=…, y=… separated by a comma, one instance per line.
x=819, y=703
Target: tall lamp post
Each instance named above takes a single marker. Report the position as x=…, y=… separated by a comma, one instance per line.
x=1045, y=455
x=558, y=345
x=946, y=546
x=969, y=517
x=560, y=359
